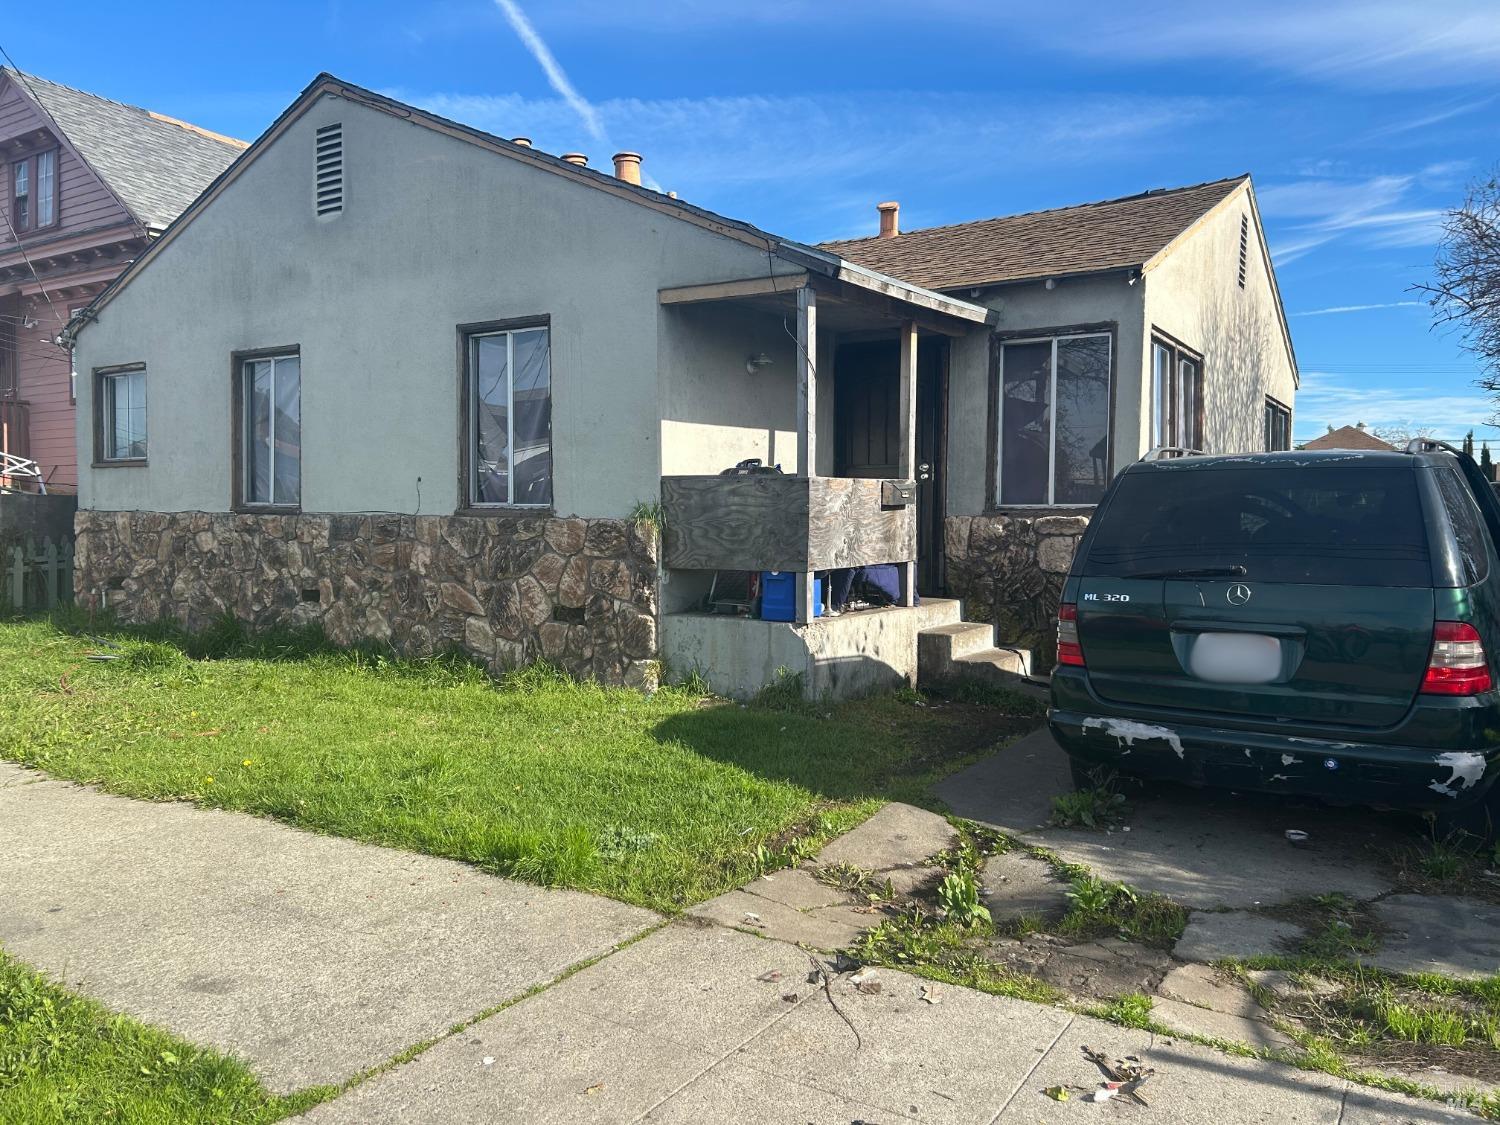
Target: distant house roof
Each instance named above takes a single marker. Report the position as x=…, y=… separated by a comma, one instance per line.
x=1348, y=437
x=156, y=165
x=1088, y=238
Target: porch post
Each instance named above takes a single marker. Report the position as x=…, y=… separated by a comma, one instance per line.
x=907, y=464
x=807, y=418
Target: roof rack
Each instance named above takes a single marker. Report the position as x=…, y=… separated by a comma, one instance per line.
x=1428, y=445
x=1168, y=452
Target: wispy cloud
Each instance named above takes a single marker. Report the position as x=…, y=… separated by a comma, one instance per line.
x=1325, y=399
x=1375, y=211
x=557, y=78
x=1333, y=309
x=731, y=153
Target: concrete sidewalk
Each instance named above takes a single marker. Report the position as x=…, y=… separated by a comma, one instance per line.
x=313, y=958
x=698, y=1023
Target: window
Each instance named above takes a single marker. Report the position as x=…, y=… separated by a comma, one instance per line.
x=1278, y=426
x=1176, y=396
x=271, y=430
x=121, y=406
x=34, y=191
x=509, y=396
x=1053, y=440
x=1335, y=525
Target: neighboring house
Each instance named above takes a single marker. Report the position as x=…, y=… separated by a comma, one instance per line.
x=88, y=183
x=1348, y=437
x=416, y=382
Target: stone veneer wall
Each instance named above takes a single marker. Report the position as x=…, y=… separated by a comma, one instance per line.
x=1010, y=569
x=580, y=593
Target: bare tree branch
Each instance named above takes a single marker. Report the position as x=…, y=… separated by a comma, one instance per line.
x=1465, y=290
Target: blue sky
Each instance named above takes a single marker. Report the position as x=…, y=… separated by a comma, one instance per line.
x=1360, y=122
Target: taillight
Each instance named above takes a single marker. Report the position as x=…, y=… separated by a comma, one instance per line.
x=1069, y=651
x=1458, y=665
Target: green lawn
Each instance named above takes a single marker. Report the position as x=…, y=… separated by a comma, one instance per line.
x=660, y=801
x=65, y=1059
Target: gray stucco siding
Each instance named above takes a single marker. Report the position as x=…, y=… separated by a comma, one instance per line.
x=436, y=232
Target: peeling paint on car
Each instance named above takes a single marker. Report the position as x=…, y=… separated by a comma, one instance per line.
x=1289, y=759
x=1320, y=742
x=1127, y=732
x=1278, y=777
x=1465, y=767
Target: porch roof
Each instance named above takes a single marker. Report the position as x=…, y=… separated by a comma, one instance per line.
x=851, y=298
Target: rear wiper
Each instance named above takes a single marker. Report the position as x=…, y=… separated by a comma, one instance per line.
x=1192, y=572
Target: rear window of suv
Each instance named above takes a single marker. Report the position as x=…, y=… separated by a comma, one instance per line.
x=1343, y=525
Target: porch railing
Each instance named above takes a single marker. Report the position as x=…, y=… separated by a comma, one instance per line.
x=786, y=523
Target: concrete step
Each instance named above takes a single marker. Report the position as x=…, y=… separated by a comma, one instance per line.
x=996, y=664
x=939, y=647
x=936, y=612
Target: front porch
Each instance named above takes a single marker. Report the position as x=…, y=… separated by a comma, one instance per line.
x=836, y=385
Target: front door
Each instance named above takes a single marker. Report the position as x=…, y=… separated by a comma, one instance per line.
x=867, y=432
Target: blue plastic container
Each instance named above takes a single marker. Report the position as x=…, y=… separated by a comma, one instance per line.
x=778, y=596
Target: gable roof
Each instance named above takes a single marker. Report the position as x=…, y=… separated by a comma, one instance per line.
x=1348, y=437
x=154, y=164
x=1110, y=235
x=808, y=257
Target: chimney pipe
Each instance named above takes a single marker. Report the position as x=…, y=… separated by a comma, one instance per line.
x=577, y=158
x=628, y=167
x=890, y=219
x=524, y=142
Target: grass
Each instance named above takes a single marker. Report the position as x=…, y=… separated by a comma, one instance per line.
x=65, y=1059
x=660, y=801
x=1100, y=806
x=1104, y=909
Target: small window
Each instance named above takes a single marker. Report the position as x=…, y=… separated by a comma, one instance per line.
x=1054, y=420
x=328, y=185
x=1176, y=396
x=122, y=415
x=33, y=181
x=271, y=430
x=1244, y=247
x=1278, y=426
x=509, y=394
x=1464, y=517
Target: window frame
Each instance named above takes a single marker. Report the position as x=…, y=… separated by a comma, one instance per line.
x=468, y=503
x=1274, y=407
x=30, y=162
x=1178, y=353
x=101, y=377
x=240, y=465
x=996, y=421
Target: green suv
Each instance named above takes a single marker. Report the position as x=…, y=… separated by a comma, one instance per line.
x=1305, y=623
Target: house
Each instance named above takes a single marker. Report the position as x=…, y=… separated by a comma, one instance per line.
x=1348, y=437
x=418, y=383
x=88, y=184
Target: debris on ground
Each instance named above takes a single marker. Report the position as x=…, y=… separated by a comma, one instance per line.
x=931, y=993
x=769, y=976
x=1123, y=1077
x=1296, y=837
x=1057, y=1093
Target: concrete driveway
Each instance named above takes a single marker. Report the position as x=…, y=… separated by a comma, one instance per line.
x=1207, y=849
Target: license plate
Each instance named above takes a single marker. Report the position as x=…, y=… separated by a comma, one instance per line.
x=1235, y=658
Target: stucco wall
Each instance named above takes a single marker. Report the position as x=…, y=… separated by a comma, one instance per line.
x=435, y=233
x=1194, y=296
x=1033, y=307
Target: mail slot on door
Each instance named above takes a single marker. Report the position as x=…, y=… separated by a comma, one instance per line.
x=897, y=493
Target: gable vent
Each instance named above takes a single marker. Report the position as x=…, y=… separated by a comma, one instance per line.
x=328, y=191
x=1244, y=247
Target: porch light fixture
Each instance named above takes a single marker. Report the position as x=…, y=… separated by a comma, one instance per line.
x=756, y=362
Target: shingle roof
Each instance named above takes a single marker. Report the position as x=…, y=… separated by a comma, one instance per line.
x=1088, y=238
x=155, y=164
x=1348, y=437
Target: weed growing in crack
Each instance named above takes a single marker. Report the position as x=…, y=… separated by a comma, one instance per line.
x=1131, y=1010
x=958, y=896
x=1102, y=806
x=1103, y=909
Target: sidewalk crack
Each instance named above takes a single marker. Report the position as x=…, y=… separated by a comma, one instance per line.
x=1025, y=1078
